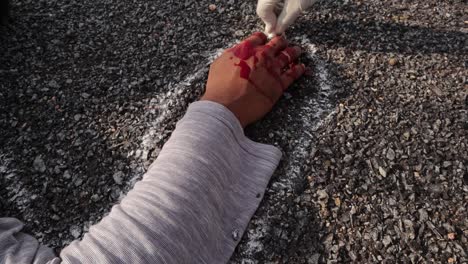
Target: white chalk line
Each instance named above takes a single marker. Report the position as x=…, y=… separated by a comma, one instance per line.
x=310, y=116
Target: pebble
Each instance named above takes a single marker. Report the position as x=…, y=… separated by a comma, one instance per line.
x=348, y=158
x=451, y=236
x=78, y=182
x=212, y=7
x=387, y=240
x=118, y=177
x=390, y=154
x=392, y=61
x=95, y=197
x=66, y=175
x=75, y=231
x=39, y=164
x=55, y=217
x=53, y=84
x=239, y=33
x=382, y=172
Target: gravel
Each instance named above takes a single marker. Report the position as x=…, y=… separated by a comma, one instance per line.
x=374, y=140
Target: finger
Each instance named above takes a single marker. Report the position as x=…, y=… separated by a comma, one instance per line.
x=257, y=39
x=292, y=9
x=266, y=12
x=288, y=56
x=275, y=45
x=292, y=74
x=247, y=48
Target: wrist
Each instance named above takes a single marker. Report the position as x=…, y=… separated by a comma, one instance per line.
x=230, y=107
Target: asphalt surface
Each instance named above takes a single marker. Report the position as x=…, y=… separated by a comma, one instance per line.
x=374, y=140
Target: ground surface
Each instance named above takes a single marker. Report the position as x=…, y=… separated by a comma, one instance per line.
x=375, y=142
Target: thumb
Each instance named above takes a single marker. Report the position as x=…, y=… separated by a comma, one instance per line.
x=292, y=9
x=266, y=11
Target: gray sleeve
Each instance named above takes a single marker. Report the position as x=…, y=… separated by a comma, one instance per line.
x=193, y=204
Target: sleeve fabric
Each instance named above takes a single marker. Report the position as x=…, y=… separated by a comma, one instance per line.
x=192, y=205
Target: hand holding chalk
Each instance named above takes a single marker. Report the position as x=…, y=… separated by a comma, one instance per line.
x=277, y=25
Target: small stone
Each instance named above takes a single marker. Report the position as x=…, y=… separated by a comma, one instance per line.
x=447, y=164
x=55, y=217
x=322, y=195
x=451, y=260
x=406, y=135
x=239, y=33
x=68, y=81
x=437, y=91
x=39, y=164
x=337, y=201
x=66, y=175
x=387, y=240
x=390, y=154
x=75, y=231
x=347, y=158
x=118, y=177
x=382, y=172
x=423, y=216
x=451, y=236
x=212, y=7
x=392, y=61
x=95, y=197
x=78, y=182
x=77, y=117
x=53, y=84
x=409, y=229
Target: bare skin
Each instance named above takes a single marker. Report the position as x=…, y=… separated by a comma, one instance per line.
x=250, y=77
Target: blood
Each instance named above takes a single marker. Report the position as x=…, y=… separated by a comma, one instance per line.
x=244, y=50
x=244, y=69
x=255, y=60
x=269, y=66
x=261, y=35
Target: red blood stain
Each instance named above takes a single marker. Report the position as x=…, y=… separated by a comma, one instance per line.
x=244, y=50
x=270, y=67
x=244, y=69
x=261, y=35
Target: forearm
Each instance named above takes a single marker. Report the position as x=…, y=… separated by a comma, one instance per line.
x=194, y=202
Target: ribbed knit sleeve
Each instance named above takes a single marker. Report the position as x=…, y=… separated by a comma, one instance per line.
x=193, y=204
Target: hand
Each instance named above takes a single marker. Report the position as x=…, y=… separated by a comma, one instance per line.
x=250, y=77
x=291, y=10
